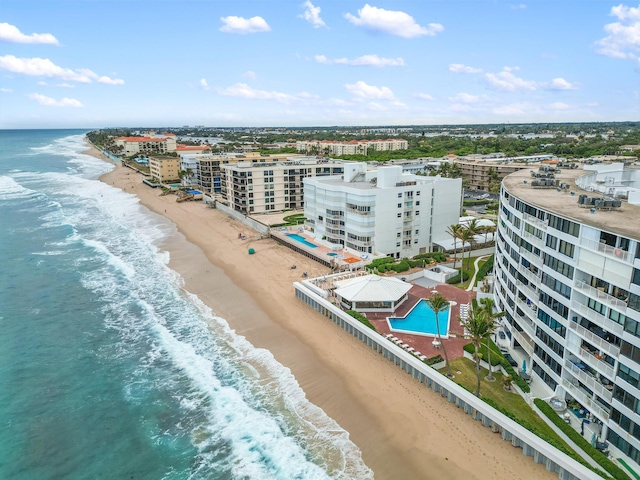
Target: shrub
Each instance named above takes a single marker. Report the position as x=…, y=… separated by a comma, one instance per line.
x=600, y=458
x=485, y=268
x=433, y=360
x=380, y=261
x=361, y=318
x=496, y=359
x=464, y=274
x=437, y=256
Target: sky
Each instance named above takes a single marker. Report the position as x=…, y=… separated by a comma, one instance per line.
x=230, y=63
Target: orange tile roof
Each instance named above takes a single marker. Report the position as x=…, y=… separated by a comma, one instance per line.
x=192, y=147
x=141, y=139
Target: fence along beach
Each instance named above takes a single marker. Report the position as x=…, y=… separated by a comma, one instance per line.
x=402, y=429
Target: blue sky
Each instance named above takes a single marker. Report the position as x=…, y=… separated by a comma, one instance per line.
x=98, y=63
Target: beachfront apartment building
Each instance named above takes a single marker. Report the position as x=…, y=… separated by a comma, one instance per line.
x=381, y=210
x=567, y=274
x=353, y=147
x=164, y=169
x=257, y=187
x=147, y=145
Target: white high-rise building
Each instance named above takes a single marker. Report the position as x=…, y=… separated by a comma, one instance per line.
x=567, y=274
x=381, y=211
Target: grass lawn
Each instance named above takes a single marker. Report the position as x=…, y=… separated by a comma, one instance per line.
x=509, y=401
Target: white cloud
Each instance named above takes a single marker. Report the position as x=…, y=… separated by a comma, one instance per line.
x=362, y=90
x=110, y=81
x=508, y=82
x=203, y=84
x=364, y=60
x=312, y=15
x=520, y=6
x=42, y=83
x=5, y=90
x=424, y=96
x=465, y=98
x=561, y=84
x=43, y=67
x=242, y=90
x=63, y=85
x=460, y=68
x=243, y=26
x=52, y=102
x=559, y=106
x=249, y=74
x=393, y=22
x=623, y=36
x=11, y=33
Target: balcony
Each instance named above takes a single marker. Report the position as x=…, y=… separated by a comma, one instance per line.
x=591, y=381
x=596, y=363
x=532, y=239
x=536, y=222
x=601, y=296
x=597, y=318
x=533, y=259
x=527, y=290
x=525, y=341
x=530, y=310
x=528, y=326
x=607, y=250
x=532, y=277
x=583, y=397
x=595, y=340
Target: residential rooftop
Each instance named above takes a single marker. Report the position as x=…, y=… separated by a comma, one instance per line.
x=624, y=220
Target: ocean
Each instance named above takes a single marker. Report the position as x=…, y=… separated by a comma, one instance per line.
x=108, y=368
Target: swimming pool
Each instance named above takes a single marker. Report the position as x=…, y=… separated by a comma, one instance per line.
x=301, y=239
x=421, y=321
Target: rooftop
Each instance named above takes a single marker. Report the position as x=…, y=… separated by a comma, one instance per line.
x=623, y=220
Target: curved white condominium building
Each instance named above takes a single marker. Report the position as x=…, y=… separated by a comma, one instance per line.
x=568, y=275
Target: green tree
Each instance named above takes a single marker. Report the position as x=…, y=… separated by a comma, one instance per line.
x=465, y=236
x=478, y=327
x=454, y=231
x=439, y=304
x=487, y=305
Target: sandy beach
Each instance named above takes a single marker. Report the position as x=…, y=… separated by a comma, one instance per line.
x=404, y=430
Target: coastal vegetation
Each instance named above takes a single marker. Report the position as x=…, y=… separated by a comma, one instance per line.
x=361, y=318
x=616, y=472
x=439, y=304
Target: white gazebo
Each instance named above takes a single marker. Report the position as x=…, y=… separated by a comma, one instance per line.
x=372, y=293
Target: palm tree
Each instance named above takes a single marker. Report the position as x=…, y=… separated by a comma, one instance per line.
x=454, y=231
x=486, y=304
x=487, y=230
x=478, y=327
x=438, y=304
x=465, y=236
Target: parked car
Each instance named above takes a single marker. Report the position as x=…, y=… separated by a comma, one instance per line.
x=510, y=359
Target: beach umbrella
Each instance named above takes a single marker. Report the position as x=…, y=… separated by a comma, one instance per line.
x=524, y=366
x=251, y=251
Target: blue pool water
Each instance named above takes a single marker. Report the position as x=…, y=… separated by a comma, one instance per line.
x=332, y=254
x=421, y=321
x=301, y=239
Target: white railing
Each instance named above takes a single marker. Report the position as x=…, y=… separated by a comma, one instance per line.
x=586, y=401
x=534, y=259
x=527, y=324
x=532, y=239
x=589, y=380
x=601, y=296
x=527, y=290
x=529, y=310
x=608, y=250
x=526, y=342
x=597, y=318
x=594, y=339
x=536, y=222
x=532, y=277
x=600, y=365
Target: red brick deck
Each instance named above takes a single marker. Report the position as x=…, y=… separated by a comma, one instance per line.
x=420, y=342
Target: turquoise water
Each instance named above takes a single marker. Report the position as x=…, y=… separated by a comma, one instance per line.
x=301, y=239
x=108, y=368
x=421, y=320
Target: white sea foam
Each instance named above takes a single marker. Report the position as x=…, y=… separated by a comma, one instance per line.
x=234, y=398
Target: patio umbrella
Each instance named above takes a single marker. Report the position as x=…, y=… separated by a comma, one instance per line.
x=593, y=439
x=524, y=366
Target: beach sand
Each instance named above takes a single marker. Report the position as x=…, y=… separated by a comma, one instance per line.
x=404, y=430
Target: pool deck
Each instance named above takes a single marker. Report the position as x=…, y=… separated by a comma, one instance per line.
x=343, y=259
x=422, y=343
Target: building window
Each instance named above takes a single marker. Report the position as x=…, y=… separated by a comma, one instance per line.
x=417, y=212
x=400, y=195
x=399, y=205
x=566, y=248
x=399, y=215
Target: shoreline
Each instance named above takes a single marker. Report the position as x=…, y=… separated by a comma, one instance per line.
x=402, y=429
